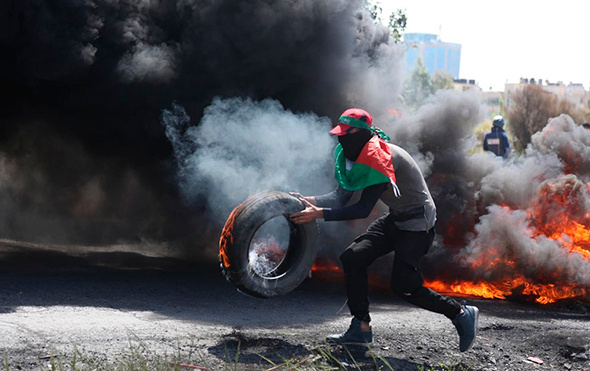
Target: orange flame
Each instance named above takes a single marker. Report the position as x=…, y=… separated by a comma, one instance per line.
x=321, y=265
x=556, y=214
x=227, y=239
x=543, y=293
x=553, y=216
x=575, y=237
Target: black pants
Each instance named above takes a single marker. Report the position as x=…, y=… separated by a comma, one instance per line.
x=383, y=237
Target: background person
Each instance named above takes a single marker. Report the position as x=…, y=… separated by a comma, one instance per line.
x=496, y=141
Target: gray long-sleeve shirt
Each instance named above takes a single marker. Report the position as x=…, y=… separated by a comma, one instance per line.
x=414, y=210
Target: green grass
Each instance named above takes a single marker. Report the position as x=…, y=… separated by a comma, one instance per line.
x=139, y=358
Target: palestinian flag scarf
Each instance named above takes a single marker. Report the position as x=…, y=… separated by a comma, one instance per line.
x=373, y=166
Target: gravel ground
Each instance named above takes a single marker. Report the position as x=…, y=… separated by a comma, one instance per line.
x=52, y=305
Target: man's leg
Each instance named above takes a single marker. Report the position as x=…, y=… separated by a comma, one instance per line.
x=355, y=261
x=407, y=282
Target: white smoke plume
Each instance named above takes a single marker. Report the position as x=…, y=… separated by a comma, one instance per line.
x=568, y=141
x=241, y=147
x=514, y=182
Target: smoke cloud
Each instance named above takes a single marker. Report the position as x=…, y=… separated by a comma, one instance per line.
x=506, y=246
x=133, y=121
x=566, y=140
x=242, y=147
x=519, y=211
x=85, y=157
x=439, y=137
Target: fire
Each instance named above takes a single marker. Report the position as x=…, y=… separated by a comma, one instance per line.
x=576, y=238
x=519, y=286
x=558, y=213
x=322, y=265
x=326, y=270
x=227, y=238
x=483, y=289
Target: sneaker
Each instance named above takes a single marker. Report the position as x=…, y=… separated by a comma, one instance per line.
x=354, y=335
x=466, y=324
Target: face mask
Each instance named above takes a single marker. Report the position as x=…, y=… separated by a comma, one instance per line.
x=352, y=144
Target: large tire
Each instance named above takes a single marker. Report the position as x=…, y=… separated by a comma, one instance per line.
x=236, y=238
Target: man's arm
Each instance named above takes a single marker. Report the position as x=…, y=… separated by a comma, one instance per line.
x=358, y=210
x=338, y=197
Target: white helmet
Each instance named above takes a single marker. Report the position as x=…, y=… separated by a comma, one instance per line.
x=498, y=121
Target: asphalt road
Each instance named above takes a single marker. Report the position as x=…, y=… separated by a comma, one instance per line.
x=53, y=304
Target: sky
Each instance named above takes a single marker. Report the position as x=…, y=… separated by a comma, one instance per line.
x=503, y=41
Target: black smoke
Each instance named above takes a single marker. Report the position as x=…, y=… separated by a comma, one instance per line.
x=139, y=121
x=84, y=157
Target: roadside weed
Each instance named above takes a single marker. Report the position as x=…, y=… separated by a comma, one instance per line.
x=138, y=357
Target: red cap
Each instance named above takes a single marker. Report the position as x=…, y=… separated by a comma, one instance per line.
x=340, y=129
x=352, y=117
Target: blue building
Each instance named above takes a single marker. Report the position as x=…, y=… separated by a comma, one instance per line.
x=436, y=55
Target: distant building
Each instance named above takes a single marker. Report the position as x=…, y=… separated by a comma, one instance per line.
x=465, y=84
x=436, y=55
x=439, y=56
x=574, y=93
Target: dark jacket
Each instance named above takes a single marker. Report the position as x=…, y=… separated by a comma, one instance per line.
x=496, y=141
x=413, y=210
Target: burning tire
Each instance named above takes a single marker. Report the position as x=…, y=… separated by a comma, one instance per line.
x=261, y=251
